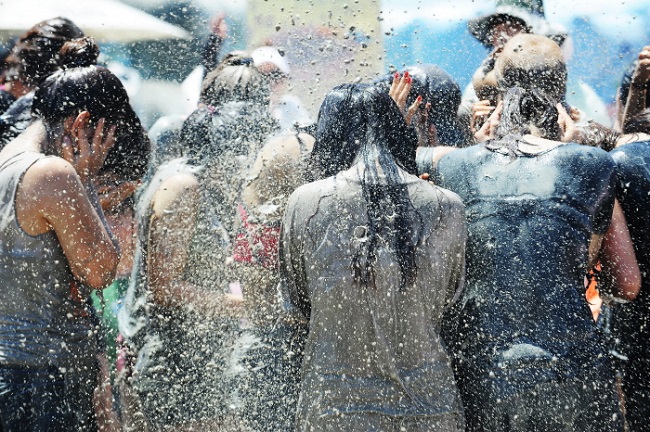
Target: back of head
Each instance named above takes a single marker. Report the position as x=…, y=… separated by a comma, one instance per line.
x=81, y=86
x=235, y=79
x=38, y=49
x=442, y=91
x=362, y=122
x=532, y=62
x=356, y=118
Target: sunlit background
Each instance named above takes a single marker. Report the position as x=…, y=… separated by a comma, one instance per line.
x=605, y=35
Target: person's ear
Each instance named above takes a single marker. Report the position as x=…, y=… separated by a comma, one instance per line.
x=79, y=124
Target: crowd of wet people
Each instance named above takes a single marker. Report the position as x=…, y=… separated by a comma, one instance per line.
x=415, y=260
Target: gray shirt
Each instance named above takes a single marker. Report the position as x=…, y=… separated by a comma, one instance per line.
x=372, y=353
x=41, y=324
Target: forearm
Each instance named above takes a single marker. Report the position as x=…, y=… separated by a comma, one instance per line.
x=636, y=102
x=93, y=198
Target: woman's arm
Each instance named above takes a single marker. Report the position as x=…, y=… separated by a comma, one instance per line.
x=618, y=259
x=175, y=206
x=52, y=197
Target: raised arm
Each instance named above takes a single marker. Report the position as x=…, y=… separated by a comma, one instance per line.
x=51, y=196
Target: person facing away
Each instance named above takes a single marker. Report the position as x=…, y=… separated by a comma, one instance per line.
x=228, y=129
x=56, y=246
x=178, y=316
x=370, y=256
x=526, y=352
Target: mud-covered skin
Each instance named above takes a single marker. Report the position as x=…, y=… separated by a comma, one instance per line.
x=631, y=321
x=373, y=358
x=527, y=355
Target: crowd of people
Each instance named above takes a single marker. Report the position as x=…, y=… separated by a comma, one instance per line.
x=415, y=260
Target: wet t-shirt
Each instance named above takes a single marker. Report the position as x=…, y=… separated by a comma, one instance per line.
x=373, y=352
x=530, y=220
x=633, y=192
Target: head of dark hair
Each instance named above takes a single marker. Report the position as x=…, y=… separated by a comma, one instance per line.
x=525, y=111
x=95, y=89
x=235, y=79
x=38, y=49
x=439, y=89
x=355, y=118
x=361, y=122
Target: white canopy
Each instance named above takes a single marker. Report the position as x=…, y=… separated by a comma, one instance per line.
x=105, y=20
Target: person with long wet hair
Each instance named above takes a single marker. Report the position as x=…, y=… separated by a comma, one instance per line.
x=56, y=245
x=527, y=353
x=370, y=256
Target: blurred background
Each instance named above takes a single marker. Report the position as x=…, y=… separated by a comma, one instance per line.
x=155, y=45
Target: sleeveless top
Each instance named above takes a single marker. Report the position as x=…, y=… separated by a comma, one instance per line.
x=42, y=321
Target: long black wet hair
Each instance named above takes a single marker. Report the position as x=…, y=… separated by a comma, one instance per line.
x=360, y=122
x=82, y=86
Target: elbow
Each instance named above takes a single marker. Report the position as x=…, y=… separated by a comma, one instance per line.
x=629, y=287
x=100, y=274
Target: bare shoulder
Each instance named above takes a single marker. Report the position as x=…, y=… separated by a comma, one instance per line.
x=179, y=188
x=286, y=145
x=50, y=175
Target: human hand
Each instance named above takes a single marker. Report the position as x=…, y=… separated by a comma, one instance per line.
x=89, y=154
x=112, y=195
x=567, y=125
x=399, y=91
x=425, y=130
x=489, y=127
x=481, y=110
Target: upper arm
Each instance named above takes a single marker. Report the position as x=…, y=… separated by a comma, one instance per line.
x=51, y=197
x=618, y=258
x=174, y=205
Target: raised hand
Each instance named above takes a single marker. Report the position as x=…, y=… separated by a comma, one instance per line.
x=399, y=91
x=567, y=125
x=89, y=153
x=489, y=127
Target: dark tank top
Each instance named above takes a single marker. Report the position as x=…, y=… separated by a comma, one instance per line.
x=530, y=220
x=41, y=323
